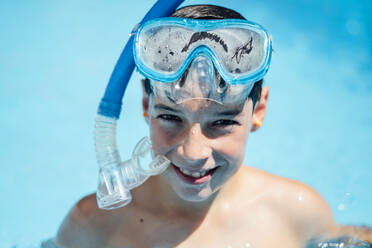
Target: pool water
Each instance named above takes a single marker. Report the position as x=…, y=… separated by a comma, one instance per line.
x=56, y=58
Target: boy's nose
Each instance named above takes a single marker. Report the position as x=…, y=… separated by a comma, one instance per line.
x=195, y=148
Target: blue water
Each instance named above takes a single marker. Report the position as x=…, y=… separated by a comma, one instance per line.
x=55, y=60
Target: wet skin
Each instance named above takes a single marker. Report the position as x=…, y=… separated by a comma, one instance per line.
x=233, y=205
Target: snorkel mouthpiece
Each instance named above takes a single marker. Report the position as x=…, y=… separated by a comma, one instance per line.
x=111, y=191
x=115, y=182
x=117, y=178
x=145, y=164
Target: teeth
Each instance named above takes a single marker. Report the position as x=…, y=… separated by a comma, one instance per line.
x=196, y=174
x=193, y=174
x=184, y=171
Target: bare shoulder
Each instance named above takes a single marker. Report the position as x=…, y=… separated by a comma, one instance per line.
x=298, y=202
x=82, y=225
x=309, y=209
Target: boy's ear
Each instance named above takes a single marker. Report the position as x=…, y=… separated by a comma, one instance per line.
x=145, y=101
x=145, y=104
x=260, y=109
x=144, y=92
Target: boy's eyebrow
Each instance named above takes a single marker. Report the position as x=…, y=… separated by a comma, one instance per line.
x=165, y=107
x=232, y=112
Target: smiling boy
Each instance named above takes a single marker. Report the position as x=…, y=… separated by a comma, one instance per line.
x=201, y=122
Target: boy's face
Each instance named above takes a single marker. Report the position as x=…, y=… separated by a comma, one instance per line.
x=204, y=140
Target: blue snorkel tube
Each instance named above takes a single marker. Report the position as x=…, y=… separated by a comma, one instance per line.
x=117, y=178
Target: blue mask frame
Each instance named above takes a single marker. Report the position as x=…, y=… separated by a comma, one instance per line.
x=199, y=26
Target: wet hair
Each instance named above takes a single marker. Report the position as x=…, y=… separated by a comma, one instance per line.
x=211, y=12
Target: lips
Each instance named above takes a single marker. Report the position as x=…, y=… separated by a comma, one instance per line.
x=198, y=177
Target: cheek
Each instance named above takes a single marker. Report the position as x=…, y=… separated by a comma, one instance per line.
x=163, y=137
x=233, y=145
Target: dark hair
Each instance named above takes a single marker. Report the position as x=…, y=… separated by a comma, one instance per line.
x=206, y=12
x=211, y=12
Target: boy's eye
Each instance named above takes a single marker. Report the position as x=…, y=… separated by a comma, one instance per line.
x=168, y=117
x=223, y=123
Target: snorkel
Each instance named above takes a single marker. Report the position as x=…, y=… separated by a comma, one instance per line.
x=117, y=178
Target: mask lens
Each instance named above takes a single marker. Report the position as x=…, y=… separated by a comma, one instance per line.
x=246, y=52
x=159, y=48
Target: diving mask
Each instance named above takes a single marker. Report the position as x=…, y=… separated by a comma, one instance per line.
x=215, y=59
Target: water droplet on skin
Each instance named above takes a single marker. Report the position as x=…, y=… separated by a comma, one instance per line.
x=300, y=197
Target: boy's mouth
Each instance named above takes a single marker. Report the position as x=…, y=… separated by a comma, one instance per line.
x=197, y=177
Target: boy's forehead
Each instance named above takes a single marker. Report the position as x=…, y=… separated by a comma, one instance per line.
x=198, y=106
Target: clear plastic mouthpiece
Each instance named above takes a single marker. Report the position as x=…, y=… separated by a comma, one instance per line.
x=145, y=162
x=111, y=191
x=117, y=178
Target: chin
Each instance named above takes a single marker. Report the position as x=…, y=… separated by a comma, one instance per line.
x=192, y=198
x=194, y=195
